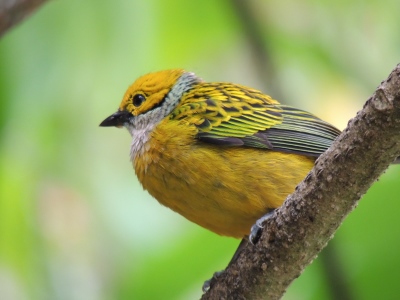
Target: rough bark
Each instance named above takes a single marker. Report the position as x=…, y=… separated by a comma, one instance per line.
x=14, y=11
x=309, y=217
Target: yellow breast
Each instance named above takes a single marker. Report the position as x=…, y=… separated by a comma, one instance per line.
x=224, y=189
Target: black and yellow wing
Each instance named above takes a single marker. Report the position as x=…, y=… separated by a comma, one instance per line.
x=234, y=115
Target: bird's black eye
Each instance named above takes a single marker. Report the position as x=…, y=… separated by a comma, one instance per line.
x=138, y=99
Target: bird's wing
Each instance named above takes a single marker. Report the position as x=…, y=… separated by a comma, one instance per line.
x=233, y=115
x=301, y=133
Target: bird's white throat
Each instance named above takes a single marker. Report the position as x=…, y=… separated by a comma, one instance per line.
x=140, y=137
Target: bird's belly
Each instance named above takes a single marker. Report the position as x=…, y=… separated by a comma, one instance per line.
x=223, y=189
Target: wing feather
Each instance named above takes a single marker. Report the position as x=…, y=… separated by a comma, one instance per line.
x=234, y=115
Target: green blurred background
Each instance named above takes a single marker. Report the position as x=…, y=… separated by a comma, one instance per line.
x=74, y=221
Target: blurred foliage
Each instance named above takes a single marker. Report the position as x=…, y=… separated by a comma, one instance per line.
x=74, y=221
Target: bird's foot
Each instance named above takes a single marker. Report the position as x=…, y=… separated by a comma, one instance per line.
x=207, y=283
x=256, y=229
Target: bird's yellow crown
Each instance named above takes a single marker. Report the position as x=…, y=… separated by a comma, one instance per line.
x=148, y=91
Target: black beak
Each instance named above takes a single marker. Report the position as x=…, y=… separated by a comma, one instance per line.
x=117, y=119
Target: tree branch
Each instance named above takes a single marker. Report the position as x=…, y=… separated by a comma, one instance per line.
x=14, y=11
x=309, y=217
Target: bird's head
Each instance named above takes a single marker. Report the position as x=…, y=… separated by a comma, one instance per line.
x=151, y=98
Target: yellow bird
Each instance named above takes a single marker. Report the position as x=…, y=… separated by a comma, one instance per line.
x=220, y=154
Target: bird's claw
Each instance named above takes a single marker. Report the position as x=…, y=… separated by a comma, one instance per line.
x=255, y=233
x=207, y=283
x=256, y=229
x=206, y=286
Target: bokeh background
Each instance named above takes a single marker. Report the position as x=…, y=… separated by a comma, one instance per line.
x=74, y=221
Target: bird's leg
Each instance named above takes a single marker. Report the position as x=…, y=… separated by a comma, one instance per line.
x=243, y=243
x=255, y=231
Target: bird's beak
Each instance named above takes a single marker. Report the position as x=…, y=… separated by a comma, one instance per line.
x=117, y=119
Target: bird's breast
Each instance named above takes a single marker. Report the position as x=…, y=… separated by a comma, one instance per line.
x=224, y=189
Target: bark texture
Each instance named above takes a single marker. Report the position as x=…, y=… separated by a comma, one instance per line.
x=307, y=220
x=14, y=11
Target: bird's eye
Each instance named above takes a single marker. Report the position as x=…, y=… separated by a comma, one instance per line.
x=138, y=99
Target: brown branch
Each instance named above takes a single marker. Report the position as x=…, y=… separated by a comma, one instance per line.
x=307, y=220
x=14, y=11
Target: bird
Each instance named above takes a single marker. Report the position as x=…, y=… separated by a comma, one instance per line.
x=220, y=154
